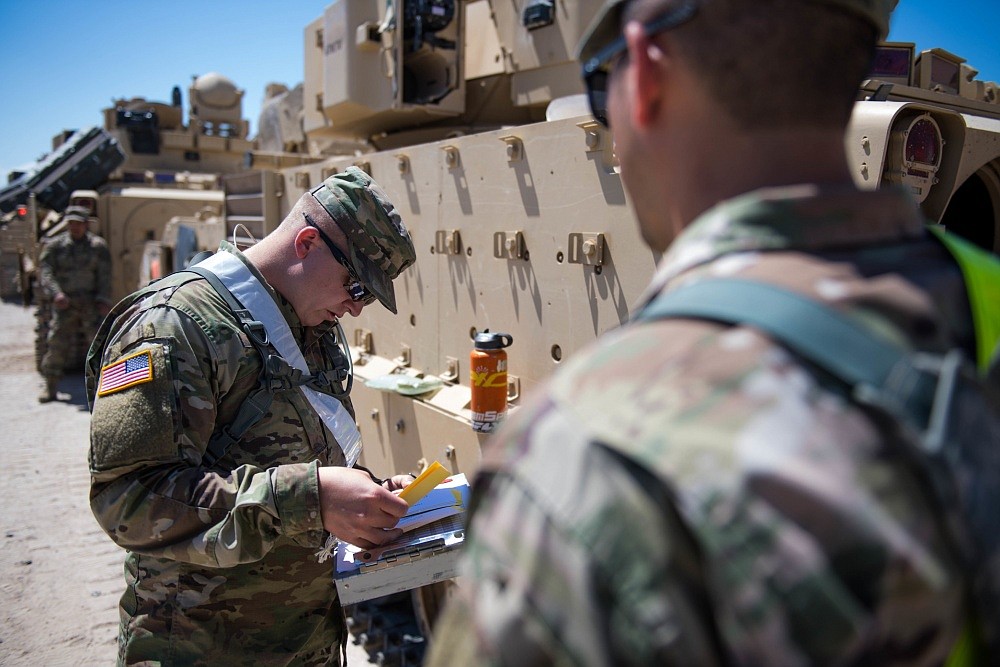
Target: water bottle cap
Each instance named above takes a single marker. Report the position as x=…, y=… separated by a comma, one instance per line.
x=487, y=340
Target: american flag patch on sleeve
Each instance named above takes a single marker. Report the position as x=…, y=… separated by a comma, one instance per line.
x=125, y=373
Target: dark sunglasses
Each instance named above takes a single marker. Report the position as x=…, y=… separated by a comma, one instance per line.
x=355, y=288
x=597, y=70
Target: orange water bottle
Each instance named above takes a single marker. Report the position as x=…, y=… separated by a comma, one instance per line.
x=488, y=370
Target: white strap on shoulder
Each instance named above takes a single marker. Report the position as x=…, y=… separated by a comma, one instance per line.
x=255, y=298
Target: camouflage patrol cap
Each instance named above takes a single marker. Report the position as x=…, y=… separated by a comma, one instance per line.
x=76, y=214
x=606, y=25
x=379, y=247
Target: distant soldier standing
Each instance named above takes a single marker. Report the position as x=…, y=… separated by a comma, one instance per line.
x=75, y=278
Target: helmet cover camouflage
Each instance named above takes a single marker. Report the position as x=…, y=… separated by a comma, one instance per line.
x=379, y=247
x=606, y=25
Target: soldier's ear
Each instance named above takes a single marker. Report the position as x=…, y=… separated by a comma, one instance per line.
x=305, y=241
x=644, y=76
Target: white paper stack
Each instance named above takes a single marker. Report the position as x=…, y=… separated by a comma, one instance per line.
x=426, y=553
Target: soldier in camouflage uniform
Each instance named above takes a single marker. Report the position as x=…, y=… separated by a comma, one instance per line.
x=691, y=493
x=75, y=282
x=222, y=563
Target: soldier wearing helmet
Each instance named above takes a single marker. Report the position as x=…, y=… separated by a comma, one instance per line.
x=223, y=439
x=689, y=492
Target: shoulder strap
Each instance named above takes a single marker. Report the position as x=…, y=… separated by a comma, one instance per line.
x=276, y=375
x=811, y=329
x=254, y=329
x=258, y=402
x=881, y=370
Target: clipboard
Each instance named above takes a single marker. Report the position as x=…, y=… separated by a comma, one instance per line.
x=426, y=553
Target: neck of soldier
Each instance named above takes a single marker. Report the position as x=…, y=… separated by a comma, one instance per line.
x=270, y=258
x=738, y=161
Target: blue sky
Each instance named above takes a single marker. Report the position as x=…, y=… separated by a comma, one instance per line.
x=62, y=62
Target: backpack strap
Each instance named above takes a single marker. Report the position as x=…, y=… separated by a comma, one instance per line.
x=276, y=375
x=258, y=402
x=810, y=328
x=881, y=371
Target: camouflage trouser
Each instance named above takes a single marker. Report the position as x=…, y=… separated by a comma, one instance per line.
x=43, y=313
x=70, y=330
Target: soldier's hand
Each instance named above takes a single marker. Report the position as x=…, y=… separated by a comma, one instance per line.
x=397, y=482
x=356, y=509
x=61, y=301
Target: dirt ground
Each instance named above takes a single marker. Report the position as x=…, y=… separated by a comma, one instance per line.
x=60, y=575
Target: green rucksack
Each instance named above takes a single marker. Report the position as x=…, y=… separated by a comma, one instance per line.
x=937, y=407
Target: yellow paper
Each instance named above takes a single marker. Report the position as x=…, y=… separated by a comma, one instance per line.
x=432, y=475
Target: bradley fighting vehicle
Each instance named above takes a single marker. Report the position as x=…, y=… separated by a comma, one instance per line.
x=470, y=116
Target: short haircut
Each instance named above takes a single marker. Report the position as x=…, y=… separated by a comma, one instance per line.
x=774, y=62
x=306, y=203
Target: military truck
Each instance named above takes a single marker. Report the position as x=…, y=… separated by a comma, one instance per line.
x=471, y=117
x=144, y=165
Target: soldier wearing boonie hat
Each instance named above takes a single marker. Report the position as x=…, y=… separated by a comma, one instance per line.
x=379, y=247
x=688, y=491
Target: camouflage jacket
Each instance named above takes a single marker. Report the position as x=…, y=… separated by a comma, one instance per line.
x=221, y=565
x=76, y=268
x=687, y=493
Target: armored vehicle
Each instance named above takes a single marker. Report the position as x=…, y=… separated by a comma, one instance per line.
x=141, y=167
x=470, y=115
x=171, y=168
